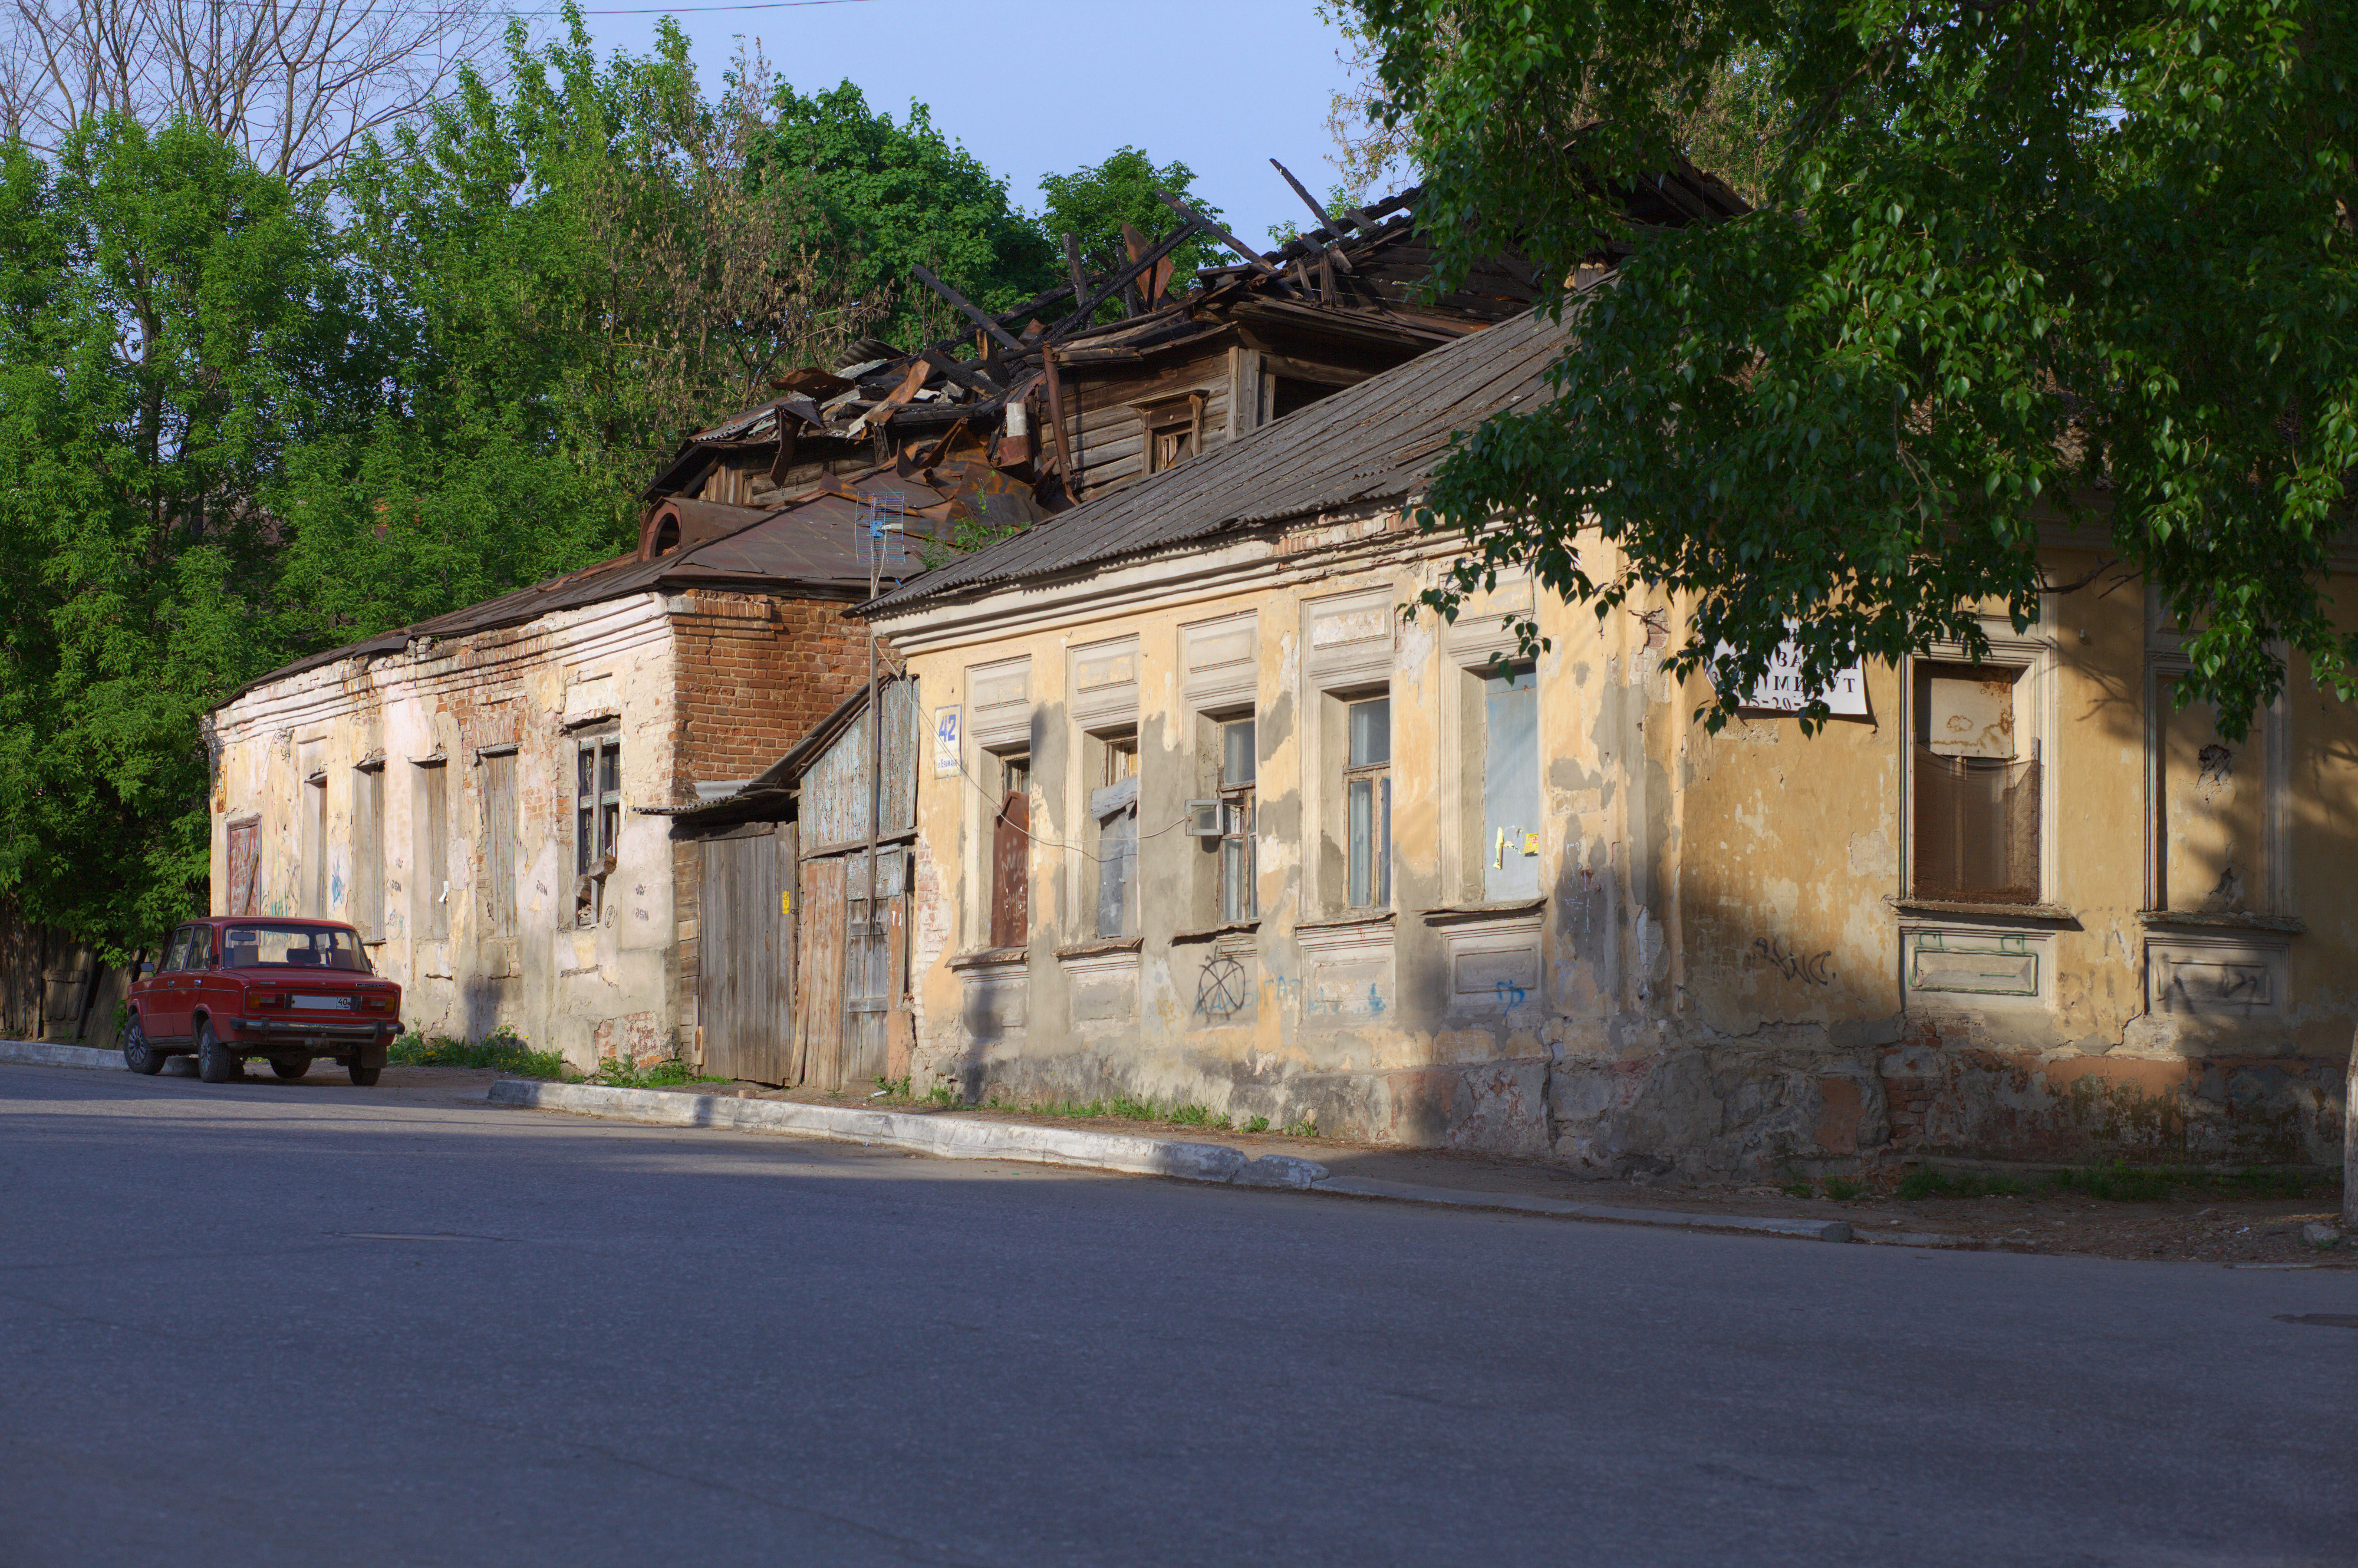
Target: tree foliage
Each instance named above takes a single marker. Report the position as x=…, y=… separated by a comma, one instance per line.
x=896, y=194
x=173, y=321
x=570, y=274
x=1094, y=202
x=2084, y=261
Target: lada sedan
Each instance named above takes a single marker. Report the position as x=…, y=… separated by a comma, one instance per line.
x=292, y=991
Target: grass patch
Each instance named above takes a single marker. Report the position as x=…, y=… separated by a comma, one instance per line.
x=2120, y=1182
x=1130, y=1110
x=1843, y=1190
x=503, y=1050
x=1201, y=1116
x=615, y=1072
x=1306, y=1128
x=1258, y=1124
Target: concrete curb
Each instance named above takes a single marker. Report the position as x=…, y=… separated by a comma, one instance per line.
x=41, y=1054
x=953, y=1138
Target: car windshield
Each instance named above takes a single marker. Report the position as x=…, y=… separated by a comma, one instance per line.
x=304, y=947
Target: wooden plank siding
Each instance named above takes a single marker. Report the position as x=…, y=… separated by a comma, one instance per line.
x=745, y=987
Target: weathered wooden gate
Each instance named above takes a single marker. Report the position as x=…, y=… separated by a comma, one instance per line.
x=875, y=959
x=818, y=1035
x=745, y=948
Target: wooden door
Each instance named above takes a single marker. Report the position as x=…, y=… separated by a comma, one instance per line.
x=744, y=995
x=872, y=965
x=819, y=963
x=1010, y=883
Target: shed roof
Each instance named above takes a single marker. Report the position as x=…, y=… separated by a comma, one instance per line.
x=1375, y=442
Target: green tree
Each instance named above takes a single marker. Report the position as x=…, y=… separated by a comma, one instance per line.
x=172, y=323
x=572, y=272
x=1094, y=202
x=2082, y=260
x=898, y=194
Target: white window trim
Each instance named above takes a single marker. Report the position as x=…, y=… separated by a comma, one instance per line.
x=1343, y=673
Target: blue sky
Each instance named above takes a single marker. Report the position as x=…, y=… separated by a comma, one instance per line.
x=1046, y=85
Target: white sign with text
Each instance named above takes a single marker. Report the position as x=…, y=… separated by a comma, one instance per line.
x=1781, y=690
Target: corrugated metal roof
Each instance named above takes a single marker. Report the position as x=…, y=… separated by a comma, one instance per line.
x=1377, y=440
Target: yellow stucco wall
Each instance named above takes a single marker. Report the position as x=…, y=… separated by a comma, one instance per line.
x=1724, y=972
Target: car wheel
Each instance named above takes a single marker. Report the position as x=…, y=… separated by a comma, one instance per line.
x=216, y=1062
x=290, y=1066
x=362, y=1078
x=137, y=1055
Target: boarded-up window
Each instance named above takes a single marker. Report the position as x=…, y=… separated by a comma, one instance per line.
x=244, y=867
x=431, y=818
x=1510, y=785
x=499, y=844
x=368, y=852
x=1011, y=856
x=1976, y=789
x=1113, y=807
x=314, y=845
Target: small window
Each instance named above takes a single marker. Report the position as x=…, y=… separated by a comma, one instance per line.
x=1113, y=807
x=597, y=822
x=175, y=956
x=200, y=948
x=1240, y=769
x=1367, y=803
x=1172, y=431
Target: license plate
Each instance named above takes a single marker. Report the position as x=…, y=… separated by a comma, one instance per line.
x=331, y=1003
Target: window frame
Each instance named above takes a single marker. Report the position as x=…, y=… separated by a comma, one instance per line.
x=1109, y=750
x=1238, y=897
x=2032, y=660
x=1375, y=778
x=597, y=821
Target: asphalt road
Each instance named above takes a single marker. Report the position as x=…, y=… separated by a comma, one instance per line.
x=262, y=1323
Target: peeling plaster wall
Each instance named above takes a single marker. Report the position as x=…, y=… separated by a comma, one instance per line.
x=699, y=687
x=1722, y=979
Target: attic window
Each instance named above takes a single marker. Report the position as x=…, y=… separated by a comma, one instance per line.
x=667, y=537
x=1172, y=431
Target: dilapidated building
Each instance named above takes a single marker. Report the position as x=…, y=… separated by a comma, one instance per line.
x=1206, y=820
x=466, y=791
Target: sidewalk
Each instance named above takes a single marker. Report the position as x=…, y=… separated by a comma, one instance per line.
x=2246, y=1231
x=2243, y=1231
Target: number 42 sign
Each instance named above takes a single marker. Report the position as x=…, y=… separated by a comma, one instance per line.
x=945, y=742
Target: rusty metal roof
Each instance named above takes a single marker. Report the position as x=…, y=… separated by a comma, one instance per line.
x=1378, y=440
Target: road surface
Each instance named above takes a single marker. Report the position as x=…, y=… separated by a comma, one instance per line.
x=264, y=1324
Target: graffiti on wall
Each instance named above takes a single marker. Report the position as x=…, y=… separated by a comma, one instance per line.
x=1812, y=969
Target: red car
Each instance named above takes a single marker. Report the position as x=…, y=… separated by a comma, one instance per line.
x=235, y=986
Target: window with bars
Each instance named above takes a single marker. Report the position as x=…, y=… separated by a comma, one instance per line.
x=597, y=821
x=1367, y=803
x=1238, y=772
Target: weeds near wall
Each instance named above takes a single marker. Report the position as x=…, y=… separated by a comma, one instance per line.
x=503, y=1050
x=617, y=1073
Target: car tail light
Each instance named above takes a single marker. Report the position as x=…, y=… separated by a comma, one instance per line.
x=379, y=1004
x=267, y=999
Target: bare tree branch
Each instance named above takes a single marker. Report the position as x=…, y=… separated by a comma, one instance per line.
x=294, y=84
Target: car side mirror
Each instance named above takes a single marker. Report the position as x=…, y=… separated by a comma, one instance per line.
x=146, y=968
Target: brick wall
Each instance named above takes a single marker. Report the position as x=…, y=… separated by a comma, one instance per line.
x=756, y=672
